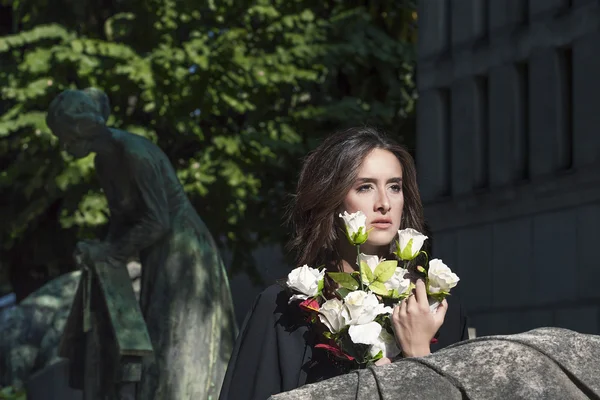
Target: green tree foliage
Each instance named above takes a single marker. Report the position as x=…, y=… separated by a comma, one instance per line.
x=235, y=92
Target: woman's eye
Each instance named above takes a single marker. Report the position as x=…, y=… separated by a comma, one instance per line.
x=363, y=188
x=396, y=188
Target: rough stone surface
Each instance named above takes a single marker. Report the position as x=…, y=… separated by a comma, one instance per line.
x=30, y=332
x=545, y=363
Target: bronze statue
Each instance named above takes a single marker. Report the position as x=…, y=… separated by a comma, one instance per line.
x=185, y=297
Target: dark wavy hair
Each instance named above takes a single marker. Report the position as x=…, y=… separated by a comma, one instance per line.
x=327, y=174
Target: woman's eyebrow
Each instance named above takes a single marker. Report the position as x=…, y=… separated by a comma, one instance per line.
x=397, y=179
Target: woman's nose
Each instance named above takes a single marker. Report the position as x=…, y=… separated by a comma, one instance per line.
x=383, y=203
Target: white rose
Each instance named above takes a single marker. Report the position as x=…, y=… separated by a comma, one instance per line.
x=305, y=280
x=366, y=333
x=398, y=282
x=385, y=343
x=441, y=278
x=356, y=226
x=363, y=307
x=333, y=314
x=372, y=262
x=410, y=242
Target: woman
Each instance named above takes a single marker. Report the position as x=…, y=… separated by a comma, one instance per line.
x=357, y=169
x=185, y=296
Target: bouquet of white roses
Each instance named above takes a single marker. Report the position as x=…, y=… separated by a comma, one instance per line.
x=355, y=317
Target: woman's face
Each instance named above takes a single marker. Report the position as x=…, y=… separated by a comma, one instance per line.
x=378, y=194
x=74, y=144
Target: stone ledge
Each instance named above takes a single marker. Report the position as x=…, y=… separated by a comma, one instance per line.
x=569, y=189
x=559, y=32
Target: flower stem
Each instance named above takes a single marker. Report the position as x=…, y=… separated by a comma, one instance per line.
x=426, y=258
x=360, y=271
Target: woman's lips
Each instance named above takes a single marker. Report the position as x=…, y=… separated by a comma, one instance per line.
x=381, y=225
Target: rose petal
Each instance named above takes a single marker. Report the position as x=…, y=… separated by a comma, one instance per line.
x=366, y=333
x=310, y=305
x=297, y=297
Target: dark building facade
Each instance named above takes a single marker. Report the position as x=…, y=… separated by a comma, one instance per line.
x=508, y=155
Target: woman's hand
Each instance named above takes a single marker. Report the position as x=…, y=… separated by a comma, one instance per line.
x=383, y=361
x=414, y=325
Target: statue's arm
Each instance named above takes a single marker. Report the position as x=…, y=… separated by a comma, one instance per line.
x=105, y=176
x=153, y=223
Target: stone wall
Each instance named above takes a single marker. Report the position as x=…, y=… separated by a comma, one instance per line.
x=508, y=155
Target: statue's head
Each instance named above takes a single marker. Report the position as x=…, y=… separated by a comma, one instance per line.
x=77, y=118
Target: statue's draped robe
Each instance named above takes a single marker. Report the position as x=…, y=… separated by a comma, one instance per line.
x=185, y=296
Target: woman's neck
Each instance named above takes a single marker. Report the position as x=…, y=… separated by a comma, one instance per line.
x=349, y=254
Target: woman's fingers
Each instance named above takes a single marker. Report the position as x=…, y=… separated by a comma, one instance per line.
x=402, y=308
x=383, y=361
x=398, y=314
x=440, y=312
x=412, y=306
x=421, y=295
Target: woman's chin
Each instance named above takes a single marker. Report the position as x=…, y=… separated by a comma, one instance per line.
x=380, y=243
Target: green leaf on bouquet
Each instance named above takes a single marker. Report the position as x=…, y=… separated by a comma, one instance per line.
x=367, y=274
x=360, y=237
x=379, y=288
x=407, y=250
x=439, y=296
x=321, y=285
x=344, y=279
x=378, y=356
x=406, y=253
x=327, y=334
x=385, y=270
x=366, y=271
x=343, y=292
x=394, y=294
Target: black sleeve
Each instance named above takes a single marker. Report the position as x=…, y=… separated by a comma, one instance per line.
x=269, y=351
